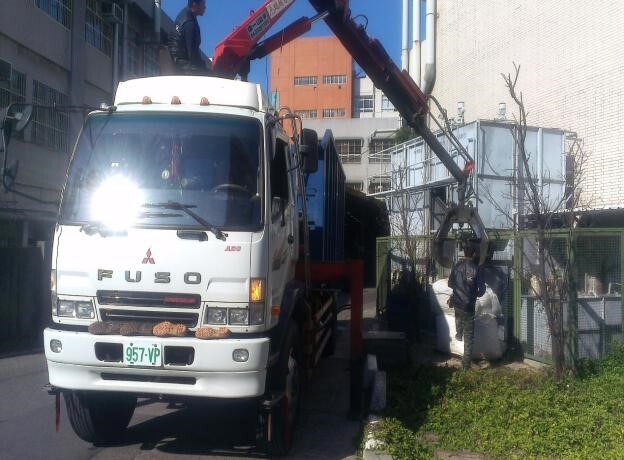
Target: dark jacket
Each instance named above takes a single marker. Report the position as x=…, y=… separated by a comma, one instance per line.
x=466, y=280
x=185, y=40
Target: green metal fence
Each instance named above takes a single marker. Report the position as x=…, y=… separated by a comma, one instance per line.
x=592, y=313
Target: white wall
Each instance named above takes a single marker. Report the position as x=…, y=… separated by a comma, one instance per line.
x=571, y=54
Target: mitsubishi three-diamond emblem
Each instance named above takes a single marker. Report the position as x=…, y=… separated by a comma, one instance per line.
x=148, y=257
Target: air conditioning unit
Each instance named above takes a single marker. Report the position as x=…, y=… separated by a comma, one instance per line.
x=112, y=13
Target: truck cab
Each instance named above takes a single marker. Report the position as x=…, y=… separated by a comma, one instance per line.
x=180, y=206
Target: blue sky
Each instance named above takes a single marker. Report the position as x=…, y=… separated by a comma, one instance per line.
x=384, y=23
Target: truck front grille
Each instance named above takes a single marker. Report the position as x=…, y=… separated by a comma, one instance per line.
x=148, y=299
x=188, y=319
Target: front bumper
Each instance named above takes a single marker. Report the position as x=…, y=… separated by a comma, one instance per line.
x=212, y=372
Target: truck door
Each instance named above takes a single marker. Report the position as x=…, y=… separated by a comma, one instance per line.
x=282, y=226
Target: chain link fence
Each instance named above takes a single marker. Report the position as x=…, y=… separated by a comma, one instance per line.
x=583, y=271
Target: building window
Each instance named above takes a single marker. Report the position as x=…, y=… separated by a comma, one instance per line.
x=307, y=113
x=334, y=79
x=349, y=150
x=306, y=81
x=13, y=91
x=134, y=59
x=98, y=32
x=386, y=105
x=379, y=150
x=355, y=186
x=61, y=10
x=365, y=104
x=152, y=61
x=333, y=113
x=50, y=128
x=378, y=184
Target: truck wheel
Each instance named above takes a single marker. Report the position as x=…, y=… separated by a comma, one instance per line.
x=99, y=417
x=287, y=378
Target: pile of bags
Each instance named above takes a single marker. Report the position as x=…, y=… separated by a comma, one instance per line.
x=489, y=327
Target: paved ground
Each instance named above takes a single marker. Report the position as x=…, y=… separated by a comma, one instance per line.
x=157, y=431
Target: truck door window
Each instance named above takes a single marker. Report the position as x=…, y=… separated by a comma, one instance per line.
x=279, y=179
x=279, y=172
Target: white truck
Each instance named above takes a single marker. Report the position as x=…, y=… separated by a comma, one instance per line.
x=180, y=205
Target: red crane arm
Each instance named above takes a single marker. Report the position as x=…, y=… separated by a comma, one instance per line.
x=232, y=54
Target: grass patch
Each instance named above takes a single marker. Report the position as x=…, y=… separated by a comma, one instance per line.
x=504, y=413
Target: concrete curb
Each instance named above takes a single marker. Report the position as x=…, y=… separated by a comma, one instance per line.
x=375, y=379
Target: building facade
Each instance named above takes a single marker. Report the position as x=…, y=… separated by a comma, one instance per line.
x=571, y=77
x=363, y=146
x=67, y=54
x=315, y=78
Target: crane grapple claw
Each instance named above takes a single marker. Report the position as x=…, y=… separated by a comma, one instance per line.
x=443, y=247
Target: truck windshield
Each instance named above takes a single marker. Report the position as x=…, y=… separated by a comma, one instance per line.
x=208, y=162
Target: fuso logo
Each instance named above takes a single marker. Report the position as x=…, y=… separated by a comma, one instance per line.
x=148, y=259
x=232, y=249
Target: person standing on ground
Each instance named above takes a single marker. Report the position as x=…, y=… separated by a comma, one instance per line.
x=467, y=283
x=185, y=41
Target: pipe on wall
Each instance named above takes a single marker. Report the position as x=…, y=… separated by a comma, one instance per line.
x=414, y=67
x=429, y=77
x=115, y=57
x=405, y=36
x=124, y=46
x=540, y=158
x=157, y=15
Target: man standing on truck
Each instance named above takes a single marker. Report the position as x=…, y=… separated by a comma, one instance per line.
x=467, y=283
x=185, y=41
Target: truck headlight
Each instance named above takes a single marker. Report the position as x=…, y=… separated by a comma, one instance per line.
x=75, y=309
x=85, y=310
x=216, y=316
x=239, y=316
x=256, y=314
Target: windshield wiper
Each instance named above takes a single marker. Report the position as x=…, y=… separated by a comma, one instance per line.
x=185, y=208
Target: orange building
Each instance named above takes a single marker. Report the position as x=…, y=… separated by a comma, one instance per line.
x=313, y=77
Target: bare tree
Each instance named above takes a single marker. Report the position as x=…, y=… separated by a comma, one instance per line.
x=405, y=218
x=550, y=277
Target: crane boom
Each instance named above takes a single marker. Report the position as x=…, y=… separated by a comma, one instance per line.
x=233, y=54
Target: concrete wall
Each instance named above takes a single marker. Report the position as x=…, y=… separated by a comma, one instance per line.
x=571, y=54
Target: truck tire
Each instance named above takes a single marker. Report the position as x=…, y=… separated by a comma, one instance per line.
x=285, y=377
x=99, y=417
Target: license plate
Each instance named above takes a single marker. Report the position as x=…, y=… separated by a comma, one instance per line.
x=142, y=354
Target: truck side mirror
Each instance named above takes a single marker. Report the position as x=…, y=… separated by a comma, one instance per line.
x=309, y=150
